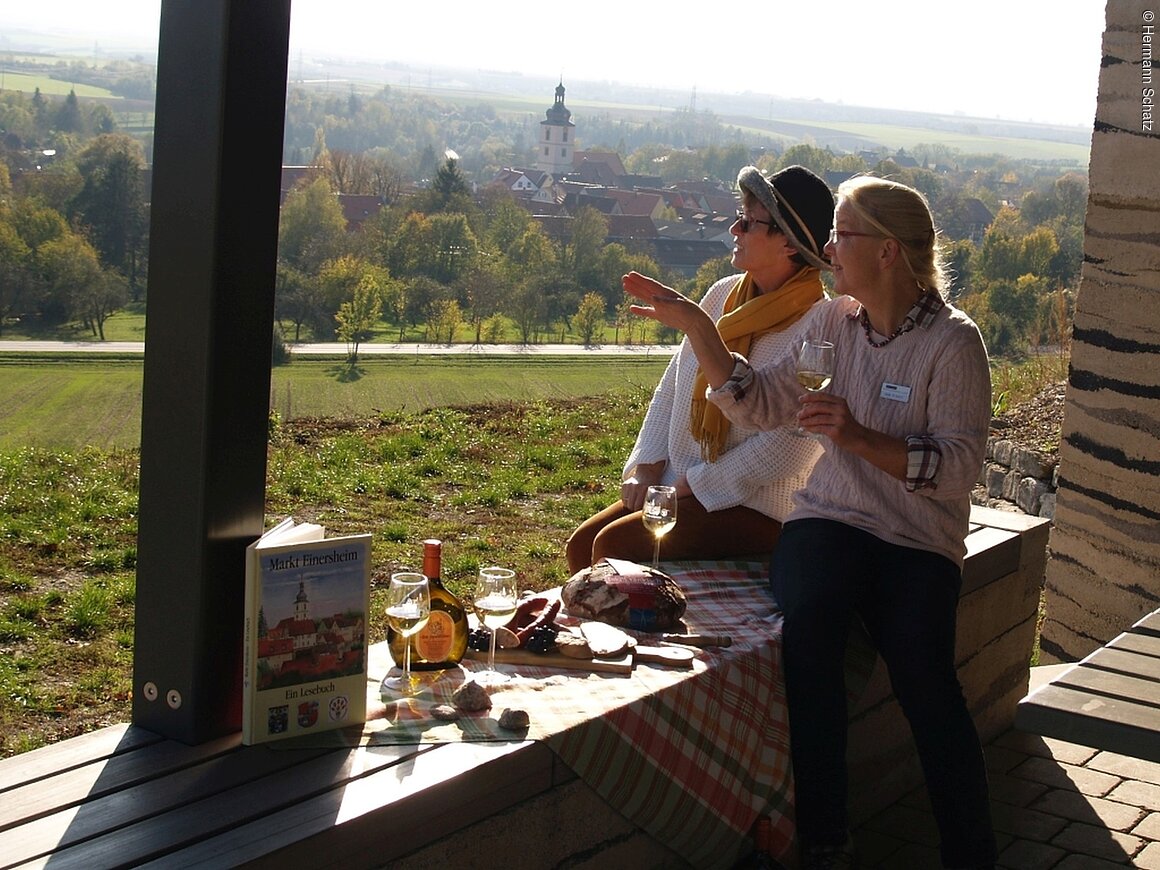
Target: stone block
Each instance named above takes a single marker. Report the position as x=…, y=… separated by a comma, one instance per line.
x=1031, y=463
x=1047, y=505
x=1002, y=452
x=994, y=475
x=1011, y=482
x=1028, y=495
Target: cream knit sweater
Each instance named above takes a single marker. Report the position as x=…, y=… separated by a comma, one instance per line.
x=933, y=380
x=757, y=469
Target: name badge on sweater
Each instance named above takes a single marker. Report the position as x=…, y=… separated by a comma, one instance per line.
x=895, y=392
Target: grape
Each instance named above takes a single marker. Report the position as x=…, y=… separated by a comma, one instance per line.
x=542, y=638
x=479, y=639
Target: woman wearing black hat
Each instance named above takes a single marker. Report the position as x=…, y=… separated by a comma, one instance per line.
x=878, y=530
x=733, y=482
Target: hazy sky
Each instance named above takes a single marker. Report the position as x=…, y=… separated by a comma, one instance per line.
x=1020, y=59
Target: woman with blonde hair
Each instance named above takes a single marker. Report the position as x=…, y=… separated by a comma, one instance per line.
x=878, y=530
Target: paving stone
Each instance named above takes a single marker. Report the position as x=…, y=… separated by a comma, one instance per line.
x=1027, y=823
x=1090, y=810
x=1098, y=841
x=1029, y=855
x=1002, y=759
x=875, y=849
x=1149, y=857
x=1014, y=790
x=1045, y=747
x=1145, y=795
x=1066, y=776
x=1087, y=862
x=1125, y=766
x=912, y=857
x=906, y=824
x=917, y=799
x=1149, y=827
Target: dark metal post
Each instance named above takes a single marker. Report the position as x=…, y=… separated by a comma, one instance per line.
x=221, y=96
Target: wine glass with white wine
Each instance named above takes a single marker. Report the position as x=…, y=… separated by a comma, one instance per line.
x=495, y=605
x=659, y=515
x=815, y=369
x=408, y=608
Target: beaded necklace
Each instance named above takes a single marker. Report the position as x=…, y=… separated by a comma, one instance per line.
x=864, y=319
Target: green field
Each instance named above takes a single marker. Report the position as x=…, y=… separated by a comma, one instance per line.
x=51, y=87
x=69, y=402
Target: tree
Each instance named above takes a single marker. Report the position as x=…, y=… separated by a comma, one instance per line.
x=111, y=202
x=483, y=291
x=296, y=298
x=67, y=267
x=581, y=256
x=357, y=316
x=339, y=281
x=68, y=117
x=589, y=320
x=710, y=272
x=100, y=299
x=528, y=307
x=1037, y=252
x=450, y=191
x=453, y=247
x=813, y=158
x=412, y=247
x=505, y=220
x=312, y=228
x=957, y=258
x=444, y=321
x=15, y=286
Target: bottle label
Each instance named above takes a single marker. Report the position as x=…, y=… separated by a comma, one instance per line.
x=433, y=642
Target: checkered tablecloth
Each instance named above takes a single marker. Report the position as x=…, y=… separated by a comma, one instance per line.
x=692, y=756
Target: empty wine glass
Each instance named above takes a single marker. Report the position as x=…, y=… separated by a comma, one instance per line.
x=495, y=605
x=408, y=608
x=659, y=515
x=815, y=368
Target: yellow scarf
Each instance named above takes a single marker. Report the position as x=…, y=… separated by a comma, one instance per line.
x=746, y=317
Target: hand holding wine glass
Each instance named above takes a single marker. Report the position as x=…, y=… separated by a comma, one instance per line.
x=495, y=604
x=815, y=368
x=659, y=515
x=408, y=608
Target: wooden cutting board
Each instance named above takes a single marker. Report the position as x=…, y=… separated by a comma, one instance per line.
x=616, y=665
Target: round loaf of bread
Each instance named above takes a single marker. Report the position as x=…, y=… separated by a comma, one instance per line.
x=625, y=594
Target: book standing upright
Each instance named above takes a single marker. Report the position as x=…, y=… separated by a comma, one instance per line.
x=307, y=601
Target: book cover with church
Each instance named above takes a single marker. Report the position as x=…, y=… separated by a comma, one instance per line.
x=307, y=599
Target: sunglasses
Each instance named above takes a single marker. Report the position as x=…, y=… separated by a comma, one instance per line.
x=747, y=222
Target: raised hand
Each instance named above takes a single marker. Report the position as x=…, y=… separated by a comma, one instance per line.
x=667, y=306
x=661, y=303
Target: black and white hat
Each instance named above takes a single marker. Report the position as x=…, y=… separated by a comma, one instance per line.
x=800, y=204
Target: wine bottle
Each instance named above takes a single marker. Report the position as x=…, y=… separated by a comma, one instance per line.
x=442, y=642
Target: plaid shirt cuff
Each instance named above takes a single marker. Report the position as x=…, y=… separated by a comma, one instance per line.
x=923, y=457
x=740, y=381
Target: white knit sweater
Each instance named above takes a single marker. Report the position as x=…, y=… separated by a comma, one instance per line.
x=758, y=469
x=939, y=385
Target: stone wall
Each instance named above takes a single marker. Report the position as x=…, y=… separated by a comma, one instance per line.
x=1104, y=568
x=1017, y=478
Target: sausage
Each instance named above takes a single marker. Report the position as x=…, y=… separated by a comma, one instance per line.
x=544, y=618
x=527, y=613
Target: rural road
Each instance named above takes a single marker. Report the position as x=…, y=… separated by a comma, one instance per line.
x=339, y=349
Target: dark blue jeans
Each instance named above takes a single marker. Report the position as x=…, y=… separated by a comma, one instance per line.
x=825, y=573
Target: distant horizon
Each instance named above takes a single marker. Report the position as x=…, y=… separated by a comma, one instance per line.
x=931, y=63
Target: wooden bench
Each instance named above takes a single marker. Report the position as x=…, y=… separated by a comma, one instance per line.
x=1110, y=700
x=123, y=796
